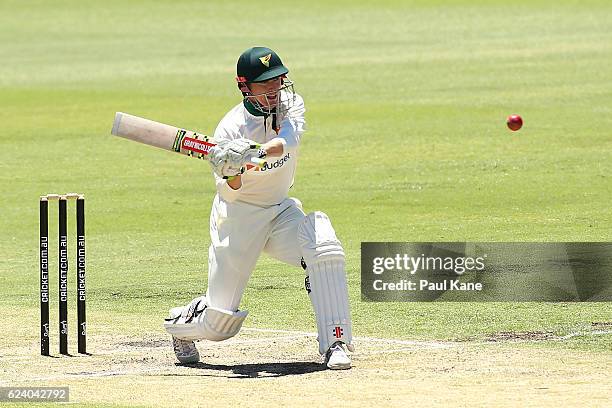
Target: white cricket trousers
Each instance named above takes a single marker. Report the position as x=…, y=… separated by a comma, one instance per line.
x=239, y=232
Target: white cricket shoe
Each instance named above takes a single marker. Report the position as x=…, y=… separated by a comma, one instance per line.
x=185, y=350
x=336, y=357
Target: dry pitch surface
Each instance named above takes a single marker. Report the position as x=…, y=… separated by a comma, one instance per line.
x=263, y=367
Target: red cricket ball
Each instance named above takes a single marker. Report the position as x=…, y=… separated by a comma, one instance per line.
x=514, y=122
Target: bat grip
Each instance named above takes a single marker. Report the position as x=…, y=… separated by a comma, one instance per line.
x=259, y=162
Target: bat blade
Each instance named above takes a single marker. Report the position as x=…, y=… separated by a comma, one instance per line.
x=165, y=136
x=161, y=135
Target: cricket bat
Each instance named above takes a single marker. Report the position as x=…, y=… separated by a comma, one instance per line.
x=166, y=137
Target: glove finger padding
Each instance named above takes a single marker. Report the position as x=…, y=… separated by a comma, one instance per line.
x=218, y=159
x=240, y=146
x=229, y=157
x=241, y=151
x=231, y=171
x=235, y=159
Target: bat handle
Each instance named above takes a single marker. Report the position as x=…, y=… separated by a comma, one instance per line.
x=257, y=161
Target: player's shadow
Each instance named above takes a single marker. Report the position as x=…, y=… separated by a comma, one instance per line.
x=262, y=370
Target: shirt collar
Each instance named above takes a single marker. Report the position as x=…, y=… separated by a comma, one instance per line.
x=252, y=109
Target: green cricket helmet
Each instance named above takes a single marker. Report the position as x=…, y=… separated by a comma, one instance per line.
x=259, y=64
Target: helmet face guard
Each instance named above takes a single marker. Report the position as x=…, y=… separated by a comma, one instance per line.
x=277, y=101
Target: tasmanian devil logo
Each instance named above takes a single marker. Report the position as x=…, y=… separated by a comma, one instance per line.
x=266, y=60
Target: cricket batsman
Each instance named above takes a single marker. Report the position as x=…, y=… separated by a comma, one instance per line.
x=252, y=212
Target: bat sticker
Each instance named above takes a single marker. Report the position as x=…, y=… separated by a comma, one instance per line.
x=195, y=145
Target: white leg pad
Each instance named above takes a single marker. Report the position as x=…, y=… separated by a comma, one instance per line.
x=324, y=258
x=198, y=321
x=222, y=324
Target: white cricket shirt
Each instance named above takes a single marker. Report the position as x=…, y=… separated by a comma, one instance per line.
x=270, y=184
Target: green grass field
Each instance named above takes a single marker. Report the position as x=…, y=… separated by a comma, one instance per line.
x=407, y=142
